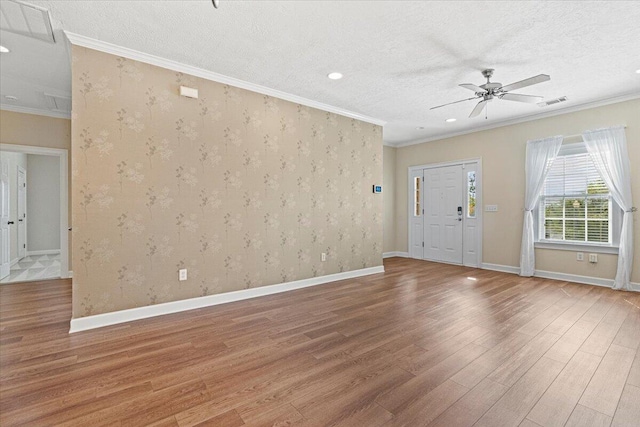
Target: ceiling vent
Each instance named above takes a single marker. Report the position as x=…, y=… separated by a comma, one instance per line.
x=58, y=103
x=26, y=20
x=552, y=101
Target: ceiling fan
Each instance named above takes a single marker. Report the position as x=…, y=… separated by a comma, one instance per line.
x=489, y=91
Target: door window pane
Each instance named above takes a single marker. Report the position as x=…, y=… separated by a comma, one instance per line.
x=416, y=196
x=471, y=194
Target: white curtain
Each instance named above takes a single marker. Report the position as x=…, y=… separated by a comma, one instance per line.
x=608, y=149
x=540, y=156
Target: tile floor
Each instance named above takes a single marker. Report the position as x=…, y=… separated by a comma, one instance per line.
x=34, y=267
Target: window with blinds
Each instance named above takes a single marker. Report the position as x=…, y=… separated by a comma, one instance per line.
x=575, y=205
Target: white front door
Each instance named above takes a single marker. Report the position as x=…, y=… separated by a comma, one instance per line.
x=5, y=260
x=22, y=213
x=443, y=214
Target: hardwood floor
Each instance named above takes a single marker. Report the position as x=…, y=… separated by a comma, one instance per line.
x=422, y=344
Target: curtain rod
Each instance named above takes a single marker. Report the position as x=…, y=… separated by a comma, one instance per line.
x=579, y=135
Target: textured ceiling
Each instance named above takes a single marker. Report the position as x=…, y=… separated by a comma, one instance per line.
x=399, y=58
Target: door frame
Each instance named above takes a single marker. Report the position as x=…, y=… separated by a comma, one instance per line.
x=24, y=218
x=479, y=195
x=5, y=246
x=63, y=156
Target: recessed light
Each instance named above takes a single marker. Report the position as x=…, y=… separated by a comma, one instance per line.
x=451, y=120
x=335, y=76
x=638, y=71
x=11, y=97
x=4, y=49
x=420, y=128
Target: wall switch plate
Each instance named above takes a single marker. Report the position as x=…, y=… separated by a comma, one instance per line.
x=491, y=208
x=323, y=257
x=593, y=258
x=182, y=274
x=580, y=256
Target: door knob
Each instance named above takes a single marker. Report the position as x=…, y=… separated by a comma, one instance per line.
x=10, y=222
x=20, y=220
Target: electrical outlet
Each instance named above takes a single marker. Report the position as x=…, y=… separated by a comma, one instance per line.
x=593, y=258
x=580, y=256
x=323, y=257
x=182, y=274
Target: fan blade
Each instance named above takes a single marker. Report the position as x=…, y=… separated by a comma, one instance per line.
x=462, y=100
x=472, y=87
x=478, y=108
x=526, y=82
x=532, y=99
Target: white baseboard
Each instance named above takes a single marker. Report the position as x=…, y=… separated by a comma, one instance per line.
x=588, y=280
x=395, y=254
x=106, y=319
x=502, y=268
x=14, y=262
x=44, y=252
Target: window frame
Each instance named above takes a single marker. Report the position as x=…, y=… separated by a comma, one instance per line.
x=615, y=220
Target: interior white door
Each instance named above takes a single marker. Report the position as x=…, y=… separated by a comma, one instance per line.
x=443, y=214
x=22, y=212
x=5, y=261
x=416, y=213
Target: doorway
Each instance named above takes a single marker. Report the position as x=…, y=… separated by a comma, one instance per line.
x=445, y=219
x=34, y=213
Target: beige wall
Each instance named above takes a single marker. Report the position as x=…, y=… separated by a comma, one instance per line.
x=388, y=194
x=43, y=202
x=243, y=190
x=31, y=129
x=38, y=131
x=502, y=151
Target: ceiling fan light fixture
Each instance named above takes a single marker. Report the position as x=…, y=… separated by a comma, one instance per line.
x=4, y=49
x=335, y=76
x=494, y=90
x=451, y=120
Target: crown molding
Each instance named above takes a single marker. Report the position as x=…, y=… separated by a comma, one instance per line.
x=80, y=40
x=36, y=111
x=538, y=116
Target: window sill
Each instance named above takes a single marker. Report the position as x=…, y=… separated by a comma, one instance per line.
x=576, y=247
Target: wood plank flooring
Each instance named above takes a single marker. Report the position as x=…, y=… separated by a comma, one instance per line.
x=420, y=345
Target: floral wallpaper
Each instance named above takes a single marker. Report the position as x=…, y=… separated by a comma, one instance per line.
x=242, y=189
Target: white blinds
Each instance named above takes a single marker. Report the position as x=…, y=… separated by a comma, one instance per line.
x=574, y=174
x=575, y=201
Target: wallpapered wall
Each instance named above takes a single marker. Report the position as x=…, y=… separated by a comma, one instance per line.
x=243, y=190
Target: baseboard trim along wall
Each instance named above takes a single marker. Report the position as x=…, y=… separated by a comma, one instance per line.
x=45, y=252
x=114, y=318
x=588, y=280
x=395, y=254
